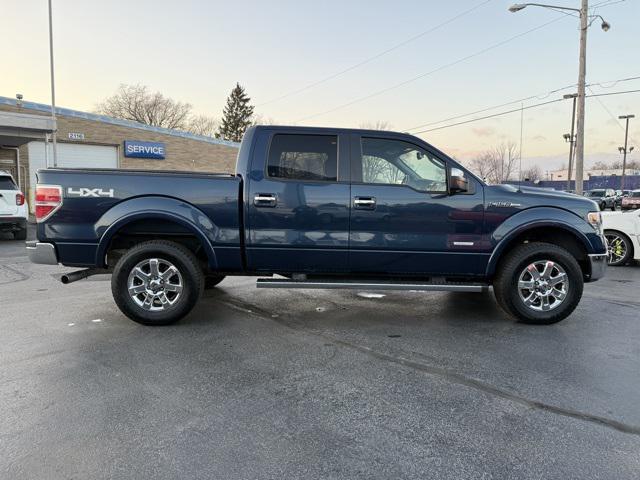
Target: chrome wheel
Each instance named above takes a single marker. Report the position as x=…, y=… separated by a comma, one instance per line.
x=616, y=248
x=543, y=285
x=155, y=284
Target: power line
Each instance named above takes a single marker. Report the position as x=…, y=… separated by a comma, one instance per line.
x=524, y=99
x=520, y=100
x=517, y=110
x=613, y=93
x=615, y=119
x=442, y=67
x=606, y=3
x=376, y=56
x=489, y=116
x=613, y=82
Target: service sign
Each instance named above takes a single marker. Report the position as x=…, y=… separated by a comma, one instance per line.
x=136, y=149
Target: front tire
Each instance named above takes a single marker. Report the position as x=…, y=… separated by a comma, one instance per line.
x=619, y=247
x=157, y=282
x=538, y=283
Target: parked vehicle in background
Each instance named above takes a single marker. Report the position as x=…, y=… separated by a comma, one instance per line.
x=13, y=208
x=323, y=208
x=604, y=197
x=622, y=231
x=620, y=194
x=631, y=201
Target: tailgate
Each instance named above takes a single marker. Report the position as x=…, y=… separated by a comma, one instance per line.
x=8, y=205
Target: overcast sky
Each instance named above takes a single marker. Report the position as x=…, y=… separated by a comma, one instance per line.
x=195, y=51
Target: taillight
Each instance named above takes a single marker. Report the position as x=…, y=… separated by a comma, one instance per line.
x=19, y=199
x=48, y=200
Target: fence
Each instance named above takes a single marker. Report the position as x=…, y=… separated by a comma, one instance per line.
x=631, y=182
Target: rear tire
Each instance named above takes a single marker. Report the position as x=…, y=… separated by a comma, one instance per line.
x=20, y=234
x=157, y=282
x=553, y=277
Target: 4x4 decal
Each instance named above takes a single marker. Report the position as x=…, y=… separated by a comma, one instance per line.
x=89, y=192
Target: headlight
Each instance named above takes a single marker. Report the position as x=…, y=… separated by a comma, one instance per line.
x=595, y=220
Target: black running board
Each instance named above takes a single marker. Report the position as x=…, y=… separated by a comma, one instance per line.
x=372, y=285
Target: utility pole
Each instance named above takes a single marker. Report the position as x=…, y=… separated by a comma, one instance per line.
x=571, y=138
x=53, y=92
x=624, y=149
x=585, y=21
x=582, y=73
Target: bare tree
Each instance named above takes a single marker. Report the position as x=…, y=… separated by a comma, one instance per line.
x=203, y=125
x=532, y=174
x=377, y=125
x=137, y=103
x=498, y=164
x=260, y=119
x=600, y=165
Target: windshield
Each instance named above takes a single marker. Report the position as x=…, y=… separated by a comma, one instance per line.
x=595, y=193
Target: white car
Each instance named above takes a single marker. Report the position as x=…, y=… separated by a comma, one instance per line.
x=13, y=208
x=622, y=230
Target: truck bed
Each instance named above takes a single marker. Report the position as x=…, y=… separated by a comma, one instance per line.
x=95, y=201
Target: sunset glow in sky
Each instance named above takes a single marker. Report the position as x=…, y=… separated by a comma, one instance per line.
x=195, y=51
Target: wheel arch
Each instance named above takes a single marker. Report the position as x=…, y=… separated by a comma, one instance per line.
x=129, y=216
x=554, y=232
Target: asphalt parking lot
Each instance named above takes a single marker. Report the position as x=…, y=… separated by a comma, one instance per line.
x=313, y=384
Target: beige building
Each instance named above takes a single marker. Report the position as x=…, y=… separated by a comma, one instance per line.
x=87, y=140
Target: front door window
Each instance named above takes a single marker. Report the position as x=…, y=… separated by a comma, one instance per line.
x=394, y=162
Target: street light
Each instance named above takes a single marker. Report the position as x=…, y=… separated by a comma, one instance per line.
x=624, y=150
x=585, y=21
x=517, y=7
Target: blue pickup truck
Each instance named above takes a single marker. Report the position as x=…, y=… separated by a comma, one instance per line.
x=319, y=208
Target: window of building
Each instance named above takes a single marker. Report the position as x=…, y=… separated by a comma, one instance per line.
x=304, y=157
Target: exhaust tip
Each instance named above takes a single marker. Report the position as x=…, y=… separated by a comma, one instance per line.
x=64, y=279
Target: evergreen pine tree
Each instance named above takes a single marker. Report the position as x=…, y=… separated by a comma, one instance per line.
x=237, y=115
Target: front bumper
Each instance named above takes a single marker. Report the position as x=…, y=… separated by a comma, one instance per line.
x=598, y=266
x=42, y=253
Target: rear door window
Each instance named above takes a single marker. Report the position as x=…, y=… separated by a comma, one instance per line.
x=304, y=157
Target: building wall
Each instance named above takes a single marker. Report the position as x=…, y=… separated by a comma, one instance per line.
x=181, y=153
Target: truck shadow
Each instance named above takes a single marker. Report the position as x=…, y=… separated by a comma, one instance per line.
x=304, y=308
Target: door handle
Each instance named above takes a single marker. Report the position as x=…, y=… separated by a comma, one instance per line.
x=265, y=200
x=364, y=203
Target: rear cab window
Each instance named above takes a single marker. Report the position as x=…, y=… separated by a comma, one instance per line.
x=303, y=157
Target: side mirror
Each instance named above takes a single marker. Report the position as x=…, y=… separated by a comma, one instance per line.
x=457, y=182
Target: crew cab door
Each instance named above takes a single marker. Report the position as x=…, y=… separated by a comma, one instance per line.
x=404, y=220
x=297, y=203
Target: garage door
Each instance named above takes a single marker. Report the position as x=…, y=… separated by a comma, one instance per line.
x=72, y=155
